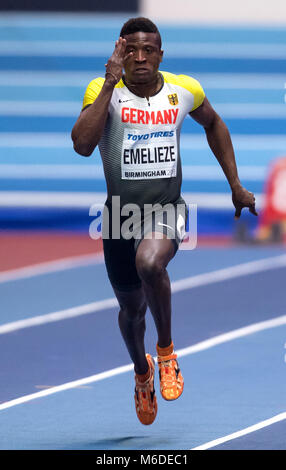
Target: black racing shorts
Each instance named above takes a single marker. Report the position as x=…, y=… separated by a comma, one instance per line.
x=120, y=243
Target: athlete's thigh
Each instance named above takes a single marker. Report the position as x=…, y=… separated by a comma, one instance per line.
x=156, y=251
x=161, y=236
x=119, y=256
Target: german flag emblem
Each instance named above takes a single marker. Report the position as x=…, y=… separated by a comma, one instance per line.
x=173, y=99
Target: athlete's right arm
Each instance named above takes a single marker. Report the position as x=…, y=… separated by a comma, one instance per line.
x=90, y=124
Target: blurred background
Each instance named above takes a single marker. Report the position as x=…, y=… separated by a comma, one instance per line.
x=48, y=55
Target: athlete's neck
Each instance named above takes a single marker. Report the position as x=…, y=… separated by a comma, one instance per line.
x=145, y=90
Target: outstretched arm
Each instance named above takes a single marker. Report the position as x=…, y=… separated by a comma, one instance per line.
x=220, y=143
x=90, y=124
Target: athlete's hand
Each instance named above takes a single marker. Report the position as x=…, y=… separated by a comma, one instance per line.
x=114, y=66
x=242, y=198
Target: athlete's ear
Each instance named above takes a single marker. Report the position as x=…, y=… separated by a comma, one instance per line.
x=161, y=55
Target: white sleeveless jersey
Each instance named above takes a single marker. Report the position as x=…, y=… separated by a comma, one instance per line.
x=140, y=146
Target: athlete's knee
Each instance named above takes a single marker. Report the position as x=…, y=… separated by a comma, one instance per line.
x=149, y=267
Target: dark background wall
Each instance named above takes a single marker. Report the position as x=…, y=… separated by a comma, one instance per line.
x=113, y=6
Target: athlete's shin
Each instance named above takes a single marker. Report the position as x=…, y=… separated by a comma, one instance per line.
x=152, y=259
x=131, y=320
x=159, y=301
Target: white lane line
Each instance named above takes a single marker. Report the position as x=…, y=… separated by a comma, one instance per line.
x=50, y=199
x=34, y=139
x=272, y=323
x=67, y=386
x=72, y=312
x=51, y=78
x=187, y=283
x=98, y=21
x=73, y=108
x=232, y=335
x=56, y=199
x=91, y=172
x=188, y=141
x=231, y=272
x=172, y=49
x=39, y=79
x=41, y=108
x=50, y=267
x=240, y=142
x=75, y=171
x=75, y=20
x=242, y=432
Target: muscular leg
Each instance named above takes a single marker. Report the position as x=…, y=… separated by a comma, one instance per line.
x=152, y=258
x=132, y=325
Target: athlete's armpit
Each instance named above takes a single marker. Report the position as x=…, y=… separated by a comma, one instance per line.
x=205, y=114
x=87, y=106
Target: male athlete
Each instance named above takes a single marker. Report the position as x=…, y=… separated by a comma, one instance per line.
x=135, y=118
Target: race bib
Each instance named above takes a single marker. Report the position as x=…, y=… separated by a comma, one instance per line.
x=149, y=155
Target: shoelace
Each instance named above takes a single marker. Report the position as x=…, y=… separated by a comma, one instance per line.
x=143, y=388
x=168, y=371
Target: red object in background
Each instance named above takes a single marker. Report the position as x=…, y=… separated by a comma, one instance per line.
x=19, y=249
x=274, y=209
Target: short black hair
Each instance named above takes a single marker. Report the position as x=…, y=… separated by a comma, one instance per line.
x=140, y=24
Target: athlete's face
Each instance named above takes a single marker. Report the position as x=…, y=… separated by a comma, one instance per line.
x=143, y=64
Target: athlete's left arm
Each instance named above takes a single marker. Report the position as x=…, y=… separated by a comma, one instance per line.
x=220, y=143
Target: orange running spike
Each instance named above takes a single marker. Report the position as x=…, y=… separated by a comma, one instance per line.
x=145, y=397
x=171, y=379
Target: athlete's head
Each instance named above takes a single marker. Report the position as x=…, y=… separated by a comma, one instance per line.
x=144, y=41
x=141, y=25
